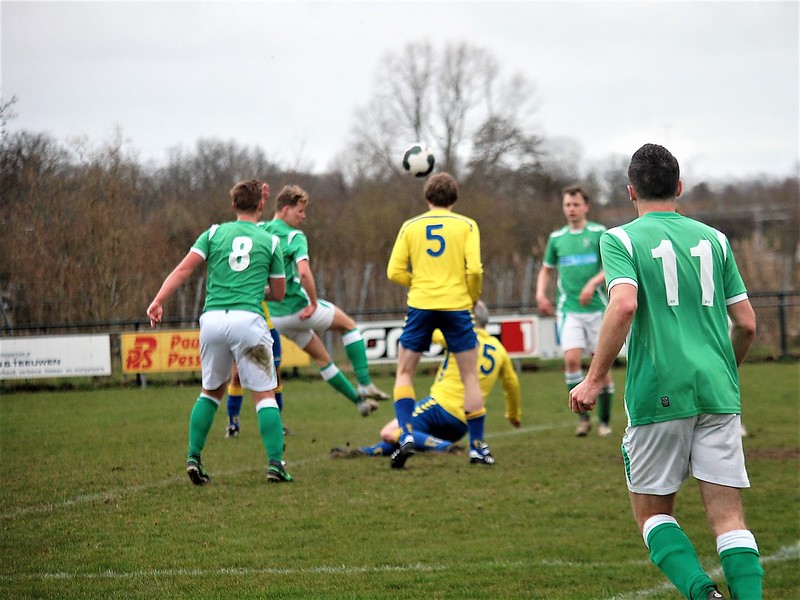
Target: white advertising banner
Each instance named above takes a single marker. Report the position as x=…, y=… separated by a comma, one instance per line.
x=55, y=356
x=522, y=335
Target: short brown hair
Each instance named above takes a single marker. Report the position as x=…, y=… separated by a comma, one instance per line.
x=246, y=195
x=574, y=189
x=441, y=190
x=291, y=195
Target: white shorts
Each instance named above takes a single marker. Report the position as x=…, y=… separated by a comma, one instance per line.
x=301, y=331
x=240, y=335
x=579, y=330
x=658, y=457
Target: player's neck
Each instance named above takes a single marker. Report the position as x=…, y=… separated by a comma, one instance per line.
x=252, y=217
x=647, y=206
x=577, y=226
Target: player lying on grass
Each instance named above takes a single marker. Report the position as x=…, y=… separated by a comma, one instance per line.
x=439, y=421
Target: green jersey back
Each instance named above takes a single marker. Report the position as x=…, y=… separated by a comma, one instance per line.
x=576, y=257
x=680, y=357
x=241, y=258
x=294, y=246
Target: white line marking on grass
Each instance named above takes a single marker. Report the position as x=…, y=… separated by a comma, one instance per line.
x=321, y=570
x=125, y=491
x=118, y=493
x=529, y=429
x=155, y=573
x=98, y=497
x=782, y=555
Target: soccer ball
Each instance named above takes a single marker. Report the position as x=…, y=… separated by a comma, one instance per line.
x=418, y=160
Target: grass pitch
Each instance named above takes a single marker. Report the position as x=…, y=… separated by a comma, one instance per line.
x=95, y=503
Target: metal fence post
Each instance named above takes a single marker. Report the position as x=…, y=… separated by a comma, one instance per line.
x=782, y=323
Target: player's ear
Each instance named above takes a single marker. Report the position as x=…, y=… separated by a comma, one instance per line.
x=680, y=188
x=632, y=194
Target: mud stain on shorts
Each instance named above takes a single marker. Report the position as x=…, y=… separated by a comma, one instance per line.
x=261, y=356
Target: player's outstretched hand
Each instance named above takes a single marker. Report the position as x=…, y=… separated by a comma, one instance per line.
x=155, y=311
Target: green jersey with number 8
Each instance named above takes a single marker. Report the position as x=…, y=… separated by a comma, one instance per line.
x=241, y=258
x=680, y=357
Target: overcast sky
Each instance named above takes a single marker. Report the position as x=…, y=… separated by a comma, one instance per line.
x=717, y=82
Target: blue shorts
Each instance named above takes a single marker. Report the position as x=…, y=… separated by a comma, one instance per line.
x=456, y=325
x=276, y=347
x=429, y=417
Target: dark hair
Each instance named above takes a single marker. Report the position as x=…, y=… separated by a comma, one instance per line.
x=654, y=173
x=441, y=190
x=574, y=189
x=246, y=195
x=291, y=195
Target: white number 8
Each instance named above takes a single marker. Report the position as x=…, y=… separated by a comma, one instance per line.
x=239, y=258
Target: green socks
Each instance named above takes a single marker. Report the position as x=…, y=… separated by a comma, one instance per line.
x=200, y=424
x=604, y=404
x=573, y=379
x=336, y=379
x=356, y=352
x=270, y=427
x=738, y=553
x=673, y=553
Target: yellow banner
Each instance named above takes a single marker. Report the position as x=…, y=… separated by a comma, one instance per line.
x=176, y=351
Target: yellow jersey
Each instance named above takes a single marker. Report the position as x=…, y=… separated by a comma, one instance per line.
x=266, y=314
x=437, y=255
x=493, y=364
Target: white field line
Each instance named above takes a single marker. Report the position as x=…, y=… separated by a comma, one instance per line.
x=126, y=491
x=237, y=572
x=782, y=555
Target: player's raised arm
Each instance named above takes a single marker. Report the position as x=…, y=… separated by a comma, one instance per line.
x=171, y=284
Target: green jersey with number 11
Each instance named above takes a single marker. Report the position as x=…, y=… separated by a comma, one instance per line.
x=680, y=357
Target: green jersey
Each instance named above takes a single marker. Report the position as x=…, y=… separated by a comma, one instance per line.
x=241, y=258
x=680, y=357
x=576, y=257
x=294, y=247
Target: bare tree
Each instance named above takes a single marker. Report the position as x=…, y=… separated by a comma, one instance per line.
x=6, y=113
x=452, y=99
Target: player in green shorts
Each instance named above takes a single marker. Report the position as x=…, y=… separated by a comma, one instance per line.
x=673, y=284
x=574, y=253
x=242, y=259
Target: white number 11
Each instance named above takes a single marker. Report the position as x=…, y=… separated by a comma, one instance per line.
x=669, y=265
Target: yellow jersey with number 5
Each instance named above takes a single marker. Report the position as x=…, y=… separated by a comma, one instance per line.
x=437, y=255
x=493, y=364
